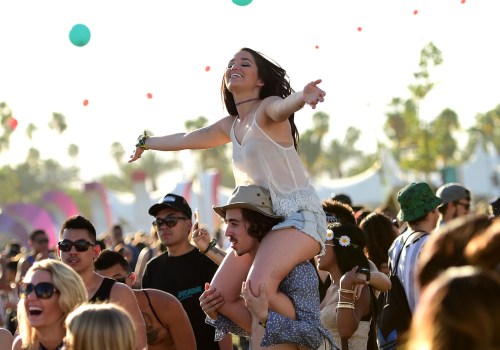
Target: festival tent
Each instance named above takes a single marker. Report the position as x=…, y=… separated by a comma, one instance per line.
x=33, y=217
x=370, y=188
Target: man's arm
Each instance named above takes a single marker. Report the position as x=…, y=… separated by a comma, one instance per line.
x=122, y=295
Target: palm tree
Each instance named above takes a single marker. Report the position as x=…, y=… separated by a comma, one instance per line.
x=58, y=123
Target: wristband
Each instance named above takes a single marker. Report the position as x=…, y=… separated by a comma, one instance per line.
x=212, y=244
x=365, y=272
x=142, y=141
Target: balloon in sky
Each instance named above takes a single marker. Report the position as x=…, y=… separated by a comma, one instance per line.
x=13, y=123
x=79, y=35
x=242, y=2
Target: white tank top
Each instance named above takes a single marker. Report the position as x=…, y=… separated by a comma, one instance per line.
x=259, y=160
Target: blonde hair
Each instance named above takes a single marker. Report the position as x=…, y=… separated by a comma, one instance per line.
x=100, y=327
x=71, y=290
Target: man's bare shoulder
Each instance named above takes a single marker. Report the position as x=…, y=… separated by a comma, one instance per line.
x=159, y=297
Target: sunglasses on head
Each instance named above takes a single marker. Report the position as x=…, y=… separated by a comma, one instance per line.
x=43, y=290
x=170, y=221
x=123, y=279
x=81, y=245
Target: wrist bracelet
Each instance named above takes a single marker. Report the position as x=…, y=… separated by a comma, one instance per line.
x=142, y=141
x=212, y=244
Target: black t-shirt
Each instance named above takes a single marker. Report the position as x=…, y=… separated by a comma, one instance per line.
x=185, y=277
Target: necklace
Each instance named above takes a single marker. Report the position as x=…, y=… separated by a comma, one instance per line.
x=245, y=101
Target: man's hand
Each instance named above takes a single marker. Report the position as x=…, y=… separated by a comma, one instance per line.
x=211, y=301
x=257, y=304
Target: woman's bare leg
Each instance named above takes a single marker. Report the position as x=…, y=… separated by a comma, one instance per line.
x=228, y=279
x=279, y=252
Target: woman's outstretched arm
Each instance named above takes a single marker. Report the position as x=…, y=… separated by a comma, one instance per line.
x=279, y=110
x=214, y=135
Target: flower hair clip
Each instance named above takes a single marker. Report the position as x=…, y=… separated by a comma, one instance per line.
x=345, y=241
x=329, y=230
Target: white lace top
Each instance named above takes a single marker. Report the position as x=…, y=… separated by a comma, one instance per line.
x=259, y=160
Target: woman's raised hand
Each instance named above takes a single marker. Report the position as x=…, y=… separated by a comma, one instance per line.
x=312, y=94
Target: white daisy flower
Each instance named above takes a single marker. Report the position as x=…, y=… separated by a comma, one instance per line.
x=344, y=241
x=329, y=234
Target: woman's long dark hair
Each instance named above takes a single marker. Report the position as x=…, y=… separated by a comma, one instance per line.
x=276, y=83
x=353, y=254
x=380, y=235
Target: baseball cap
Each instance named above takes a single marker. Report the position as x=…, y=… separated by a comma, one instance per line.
x=416, y=200
x=452, y=192
x=251, y=197
x=172, y=201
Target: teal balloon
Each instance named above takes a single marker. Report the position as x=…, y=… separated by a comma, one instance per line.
x=242, y=2
x=79, y=35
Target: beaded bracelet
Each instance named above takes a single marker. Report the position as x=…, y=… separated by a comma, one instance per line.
x=142, y=141
x=212, y=244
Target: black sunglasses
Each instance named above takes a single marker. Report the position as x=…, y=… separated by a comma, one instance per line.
x=43, y=290
x=123, y=279
x=81, y=245
x=170, y=221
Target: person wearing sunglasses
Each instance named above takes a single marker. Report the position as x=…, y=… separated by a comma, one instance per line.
x=50, y=290
x=39, y=243
x=182, y=270
x=456, y=202
x=167, y=324
x=78, y=249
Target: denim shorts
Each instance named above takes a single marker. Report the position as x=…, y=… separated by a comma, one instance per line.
x=311, y=223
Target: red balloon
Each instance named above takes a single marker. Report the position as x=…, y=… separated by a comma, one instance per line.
x=207, y=69
x=13, y=123
x=149, y=95
x=317, y=46
x=415, y=12
x=85, y=102
x=360, y=29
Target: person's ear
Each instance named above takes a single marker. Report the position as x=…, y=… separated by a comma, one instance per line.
x=132, y=279
x=97, y=250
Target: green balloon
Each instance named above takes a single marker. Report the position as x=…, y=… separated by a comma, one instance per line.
x=242, y=2
x=79, y=35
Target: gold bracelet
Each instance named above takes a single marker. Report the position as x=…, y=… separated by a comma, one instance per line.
x=350, y=291
x=345, y=305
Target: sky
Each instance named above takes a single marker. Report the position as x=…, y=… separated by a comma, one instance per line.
x=366, y=52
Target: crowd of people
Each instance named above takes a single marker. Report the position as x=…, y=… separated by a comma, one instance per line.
x=301, y=272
